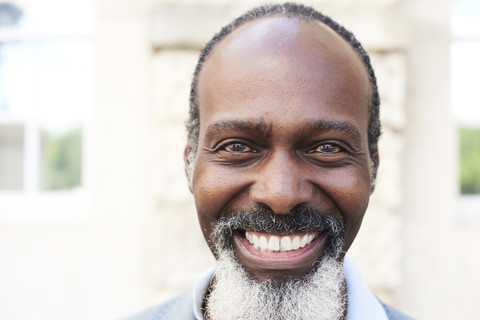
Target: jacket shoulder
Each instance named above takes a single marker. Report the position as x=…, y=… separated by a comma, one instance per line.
x=178, y=308
x=393, y=313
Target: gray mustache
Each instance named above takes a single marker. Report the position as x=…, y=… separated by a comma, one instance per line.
x=303, y=219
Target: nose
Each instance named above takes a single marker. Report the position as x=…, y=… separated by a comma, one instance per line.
x=281, y=184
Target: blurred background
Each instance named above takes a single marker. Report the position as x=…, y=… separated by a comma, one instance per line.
x=96, y=221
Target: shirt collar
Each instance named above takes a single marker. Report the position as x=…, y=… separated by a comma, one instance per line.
x=200, y=290
x=361, y=303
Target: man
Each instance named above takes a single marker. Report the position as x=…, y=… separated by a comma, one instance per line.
x=281, y=160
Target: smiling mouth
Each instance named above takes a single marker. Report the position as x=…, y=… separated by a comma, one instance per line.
x=265, y=254
x=272, y=243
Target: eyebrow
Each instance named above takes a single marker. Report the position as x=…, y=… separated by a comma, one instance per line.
x=345, y=128
x=225, y=125
x=337, y=126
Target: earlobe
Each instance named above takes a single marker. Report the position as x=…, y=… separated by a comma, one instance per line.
x=375, y=161
x=186, y=152
x=189, y=160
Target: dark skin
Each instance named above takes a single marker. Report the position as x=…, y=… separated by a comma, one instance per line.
x=263, y=128
x=283, y=123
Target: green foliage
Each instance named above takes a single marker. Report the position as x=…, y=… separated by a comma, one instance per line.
x=62, y=160
x=470, y=160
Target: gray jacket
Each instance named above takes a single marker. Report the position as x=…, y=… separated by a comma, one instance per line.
x=181, y=308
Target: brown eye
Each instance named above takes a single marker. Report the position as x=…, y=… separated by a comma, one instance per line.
x=237, y=147
x=328, y=148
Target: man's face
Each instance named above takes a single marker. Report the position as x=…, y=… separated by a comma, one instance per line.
x=283, y=125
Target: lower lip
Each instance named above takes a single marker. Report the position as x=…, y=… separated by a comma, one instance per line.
x=302, y=258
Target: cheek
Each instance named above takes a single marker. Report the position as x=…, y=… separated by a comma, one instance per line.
x=350, y=191
x=210, y=191
x=216, y=194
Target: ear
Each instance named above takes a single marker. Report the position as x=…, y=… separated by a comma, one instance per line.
x=375, y=158
x=188, y=160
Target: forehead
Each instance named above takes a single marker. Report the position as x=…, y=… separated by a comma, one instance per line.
x=278, y=62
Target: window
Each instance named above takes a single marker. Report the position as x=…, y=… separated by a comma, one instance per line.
x=46, y=97
x=11, y=156
x=465, y=51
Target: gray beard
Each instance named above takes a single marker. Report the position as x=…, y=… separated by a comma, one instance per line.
x=237, y=295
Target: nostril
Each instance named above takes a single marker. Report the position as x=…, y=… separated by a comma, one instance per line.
x=281, y=200
x=282, y=206
x=299, y=207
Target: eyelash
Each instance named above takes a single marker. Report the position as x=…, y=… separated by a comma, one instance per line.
x=329, y=145
x=237, y=152
x=243, y=146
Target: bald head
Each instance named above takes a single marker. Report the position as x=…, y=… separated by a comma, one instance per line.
x=275, y=35
x=289, y=52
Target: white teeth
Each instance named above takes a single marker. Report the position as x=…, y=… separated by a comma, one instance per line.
x=304, y=241
x=255, y=241
x=273, y=243
x=263, y=243
x=296, y=243
x=285, y=244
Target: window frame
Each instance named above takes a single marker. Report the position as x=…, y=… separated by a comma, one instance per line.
x=31, y=203
x=467, y=205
